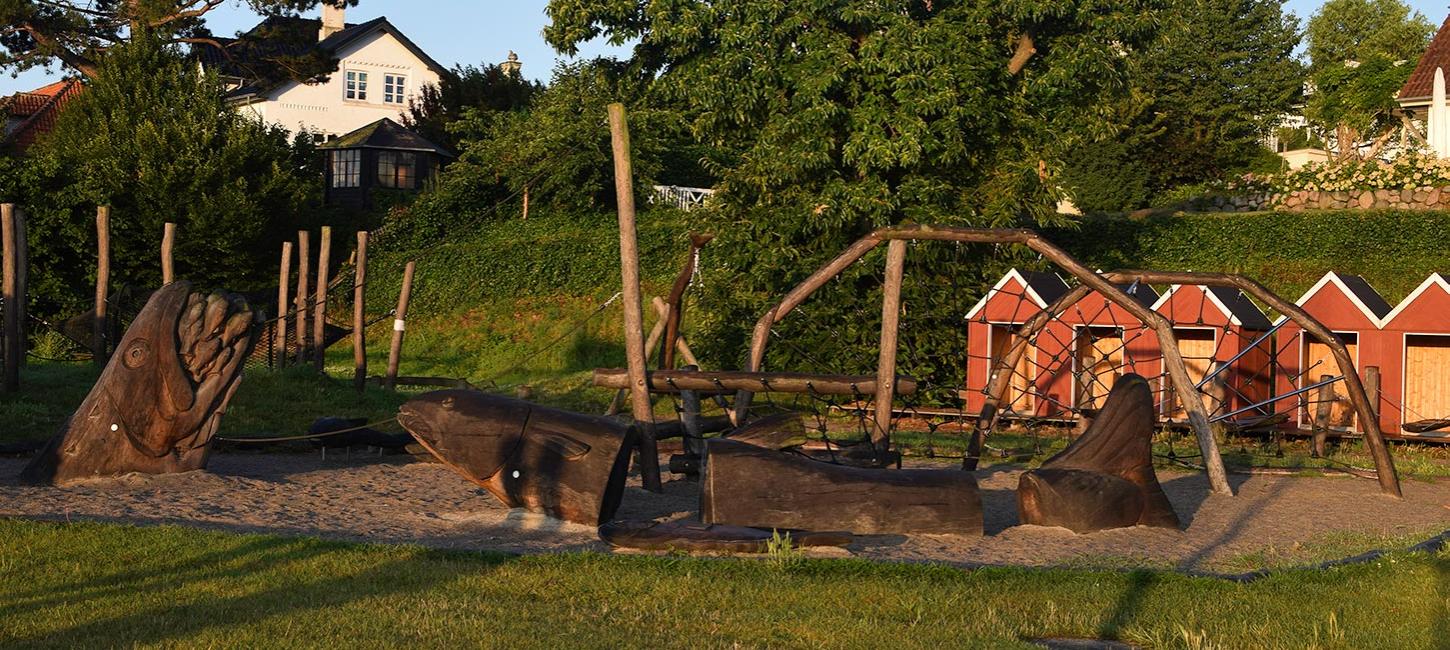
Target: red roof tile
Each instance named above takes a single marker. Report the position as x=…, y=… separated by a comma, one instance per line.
x=38, y=110
x=1422, y=81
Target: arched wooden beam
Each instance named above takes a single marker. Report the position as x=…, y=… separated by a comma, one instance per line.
x=1384, y=464
x=1197, y=414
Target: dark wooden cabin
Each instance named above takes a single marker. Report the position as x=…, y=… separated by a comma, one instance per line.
x=380, y=157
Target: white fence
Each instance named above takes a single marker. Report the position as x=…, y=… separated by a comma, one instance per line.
x=684, y=198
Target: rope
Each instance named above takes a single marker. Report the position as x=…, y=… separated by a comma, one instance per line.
x=308, y=436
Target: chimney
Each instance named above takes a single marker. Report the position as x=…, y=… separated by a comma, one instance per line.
x=332, y=21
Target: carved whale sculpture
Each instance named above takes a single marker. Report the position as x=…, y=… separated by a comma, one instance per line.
x=1105, y=478
x=157, y=404
x=566, y=465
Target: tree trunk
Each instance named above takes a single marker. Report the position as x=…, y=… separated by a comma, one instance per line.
x=745, y=485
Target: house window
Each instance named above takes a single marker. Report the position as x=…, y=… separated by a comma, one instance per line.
x=347, y=168
x=393, y=87
x=397, y=169
x=357, y=85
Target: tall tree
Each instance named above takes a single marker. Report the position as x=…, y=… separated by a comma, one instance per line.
x=1218, y=78
x=846, y=115
x=1353, y=30
x=155, y=141
x=486, y=88
x=1361, y=52
x=77, y=33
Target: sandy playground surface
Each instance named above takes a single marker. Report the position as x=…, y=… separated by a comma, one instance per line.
x=396, y=499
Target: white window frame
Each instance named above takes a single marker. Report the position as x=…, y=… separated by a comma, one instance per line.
x=355, y=85
x=346, y=165
x=395, y=88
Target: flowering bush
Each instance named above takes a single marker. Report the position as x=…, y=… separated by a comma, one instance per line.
x=1408, y=171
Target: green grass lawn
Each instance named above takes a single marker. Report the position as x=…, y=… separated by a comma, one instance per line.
x=91, y=585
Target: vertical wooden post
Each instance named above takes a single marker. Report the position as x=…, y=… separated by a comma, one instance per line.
x=304, y=269
x=99, y=346
x=359, y=321
x=526, y=201
x=168, y=244
x=400, y=323
x=8, y=259
x=1323, y=409
x=886, y=363
x=690, y=419
x=280, y=340
x=1372, y=389
x=22, y=282
x=319, y=317
x=649, y=462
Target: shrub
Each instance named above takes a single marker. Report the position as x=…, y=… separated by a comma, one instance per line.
x=1106, y=177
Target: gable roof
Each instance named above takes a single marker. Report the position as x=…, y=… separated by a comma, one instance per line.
x=1041, y=288
x=37, y=111
x=1434, y=280
x=1232, y=303
x=287, y=36
x=1421, y=82
x=385, y=134
x=1358, y=290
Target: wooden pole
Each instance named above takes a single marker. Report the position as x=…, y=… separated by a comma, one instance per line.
x=1323, y=409
x=99, y=347
x=168, y=244
x=1372, y=389
x=12, y=298
x=649, y=462
x=690, y=420
x=280, y=340
x=22, y=282
x=319, y=318
x=886, y=364
x=526, y=201
x=649, y=346
x=304, y=269
x=359, y=320
x=400, y=323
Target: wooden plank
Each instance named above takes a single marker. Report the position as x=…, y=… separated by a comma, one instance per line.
x=634, y=349
x=400, y=323
x=359, y=318
x=99, y=317
x=319, y=301
x=716, y=381
x=886, y=361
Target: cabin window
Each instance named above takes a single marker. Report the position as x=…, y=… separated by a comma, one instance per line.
x=357, y=85
x=393, y=87
x=397, y=169
x=347, y=168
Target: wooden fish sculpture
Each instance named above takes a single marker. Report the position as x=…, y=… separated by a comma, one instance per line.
x=1105, y=478
x=566, y=465
x=157, y=404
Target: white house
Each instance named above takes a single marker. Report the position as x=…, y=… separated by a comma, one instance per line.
x=378, y=71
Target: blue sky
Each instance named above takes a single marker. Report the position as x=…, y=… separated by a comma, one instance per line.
x=479, y=31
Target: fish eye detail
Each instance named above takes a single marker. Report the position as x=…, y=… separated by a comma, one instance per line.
x=136, y=354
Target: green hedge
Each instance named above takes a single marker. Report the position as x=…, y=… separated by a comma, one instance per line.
x=545, y=255
x=1286, y=251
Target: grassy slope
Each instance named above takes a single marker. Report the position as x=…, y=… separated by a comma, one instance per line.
x=69, y=585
